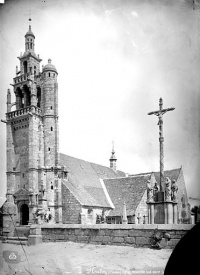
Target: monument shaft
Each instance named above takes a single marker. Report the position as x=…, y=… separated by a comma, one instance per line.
x=160, y=114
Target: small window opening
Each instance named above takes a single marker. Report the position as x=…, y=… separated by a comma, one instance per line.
x=51, y=108
x=49, y=74
x=49, y=149
x=23, y=175
x=51, y=186
x=51, y=128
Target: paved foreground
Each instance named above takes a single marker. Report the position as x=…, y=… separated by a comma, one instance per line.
x=75, y=258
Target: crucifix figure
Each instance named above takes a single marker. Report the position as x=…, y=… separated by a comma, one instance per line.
x=160, y=114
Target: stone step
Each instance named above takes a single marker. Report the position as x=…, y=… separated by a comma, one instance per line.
x=15, y=240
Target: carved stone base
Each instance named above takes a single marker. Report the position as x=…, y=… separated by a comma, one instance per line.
x=162, y=213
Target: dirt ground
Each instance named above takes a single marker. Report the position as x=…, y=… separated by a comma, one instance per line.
x=78, y=258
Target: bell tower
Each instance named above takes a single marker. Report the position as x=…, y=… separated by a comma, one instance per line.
x=32, y=137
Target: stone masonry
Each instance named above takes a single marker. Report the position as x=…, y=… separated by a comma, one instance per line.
x=134, y=235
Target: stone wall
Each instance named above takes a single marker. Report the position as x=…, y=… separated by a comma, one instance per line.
x=106, y=234
x=71, y=207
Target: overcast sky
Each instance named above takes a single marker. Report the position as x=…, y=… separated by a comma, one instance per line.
x=115, y=59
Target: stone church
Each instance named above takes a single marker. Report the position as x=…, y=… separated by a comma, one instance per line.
x=47, y=186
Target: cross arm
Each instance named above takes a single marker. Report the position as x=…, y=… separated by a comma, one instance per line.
x=157, y=113
x=154, y=113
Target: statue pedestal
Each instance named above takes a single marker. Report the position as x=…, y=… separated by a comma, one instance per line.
x=35, y=236
x=163, y=212
x=160, y=196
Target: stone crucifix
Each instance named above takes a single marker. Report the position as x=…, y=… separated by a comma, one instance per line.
x=160, y=114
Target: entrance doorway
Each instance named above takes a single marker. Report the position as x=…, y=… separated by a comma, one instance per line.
x=24, y=214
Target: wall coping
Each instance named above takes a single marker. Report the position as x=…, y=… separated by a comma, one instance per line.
x=119, y=226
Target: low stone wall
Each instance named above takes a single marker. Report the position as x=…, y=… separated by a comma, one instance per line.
x=106, y=234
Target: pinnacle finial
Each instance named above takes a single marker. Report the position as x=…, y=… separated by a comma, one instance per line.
x=113, y=149
x=29, y=23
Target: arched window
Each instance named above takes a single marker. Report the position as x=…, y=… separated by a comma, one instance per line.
x=25, y=67
x=49, y=74
x=51, y=128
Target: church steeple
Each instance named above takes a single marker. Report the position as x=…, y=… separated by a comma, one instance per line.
x=29, y=39
x=113, y=159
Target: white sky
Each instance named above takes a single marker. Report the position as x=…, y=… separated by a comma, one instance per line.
x=115, y=59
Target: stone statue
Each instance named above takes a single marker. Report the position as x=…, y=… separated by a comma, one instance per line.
x=155, y=191
x=156, y=187
x=174, y=190
x=168, y=189
x=149, y=192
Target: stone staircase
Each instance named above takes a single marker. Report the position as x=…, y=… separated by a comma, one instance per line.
x=20, y=236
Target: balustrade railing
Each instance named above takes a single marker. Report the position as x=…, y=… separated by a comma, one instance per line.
x=23, y=111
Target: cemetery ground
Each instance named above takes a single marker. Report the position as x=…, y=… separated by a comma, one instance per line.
x=79, y=258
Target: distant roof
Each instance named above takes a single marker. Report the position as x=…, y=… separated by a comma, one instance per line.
x=127, y=189
x=172, y=174
x=87, y=175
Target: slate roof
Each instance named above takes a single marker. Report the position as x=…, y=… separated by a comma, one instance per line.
x=87, y=176
x=80, y=193
x=127, y=189
x=171, y=174
x=84, y=182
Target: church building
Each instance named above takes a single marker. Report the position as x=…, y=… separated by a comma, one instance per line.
x=47, y=186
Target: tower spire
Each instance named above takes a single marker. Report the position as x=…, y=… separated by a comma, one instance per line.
x=113, y=158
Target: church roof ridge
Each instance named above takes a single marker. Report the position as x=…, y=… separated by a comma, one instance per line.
x=92, y=163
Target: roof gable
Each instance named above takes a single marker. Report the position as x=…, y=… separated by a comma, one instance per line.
x=127, y=189
x=87, y=176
